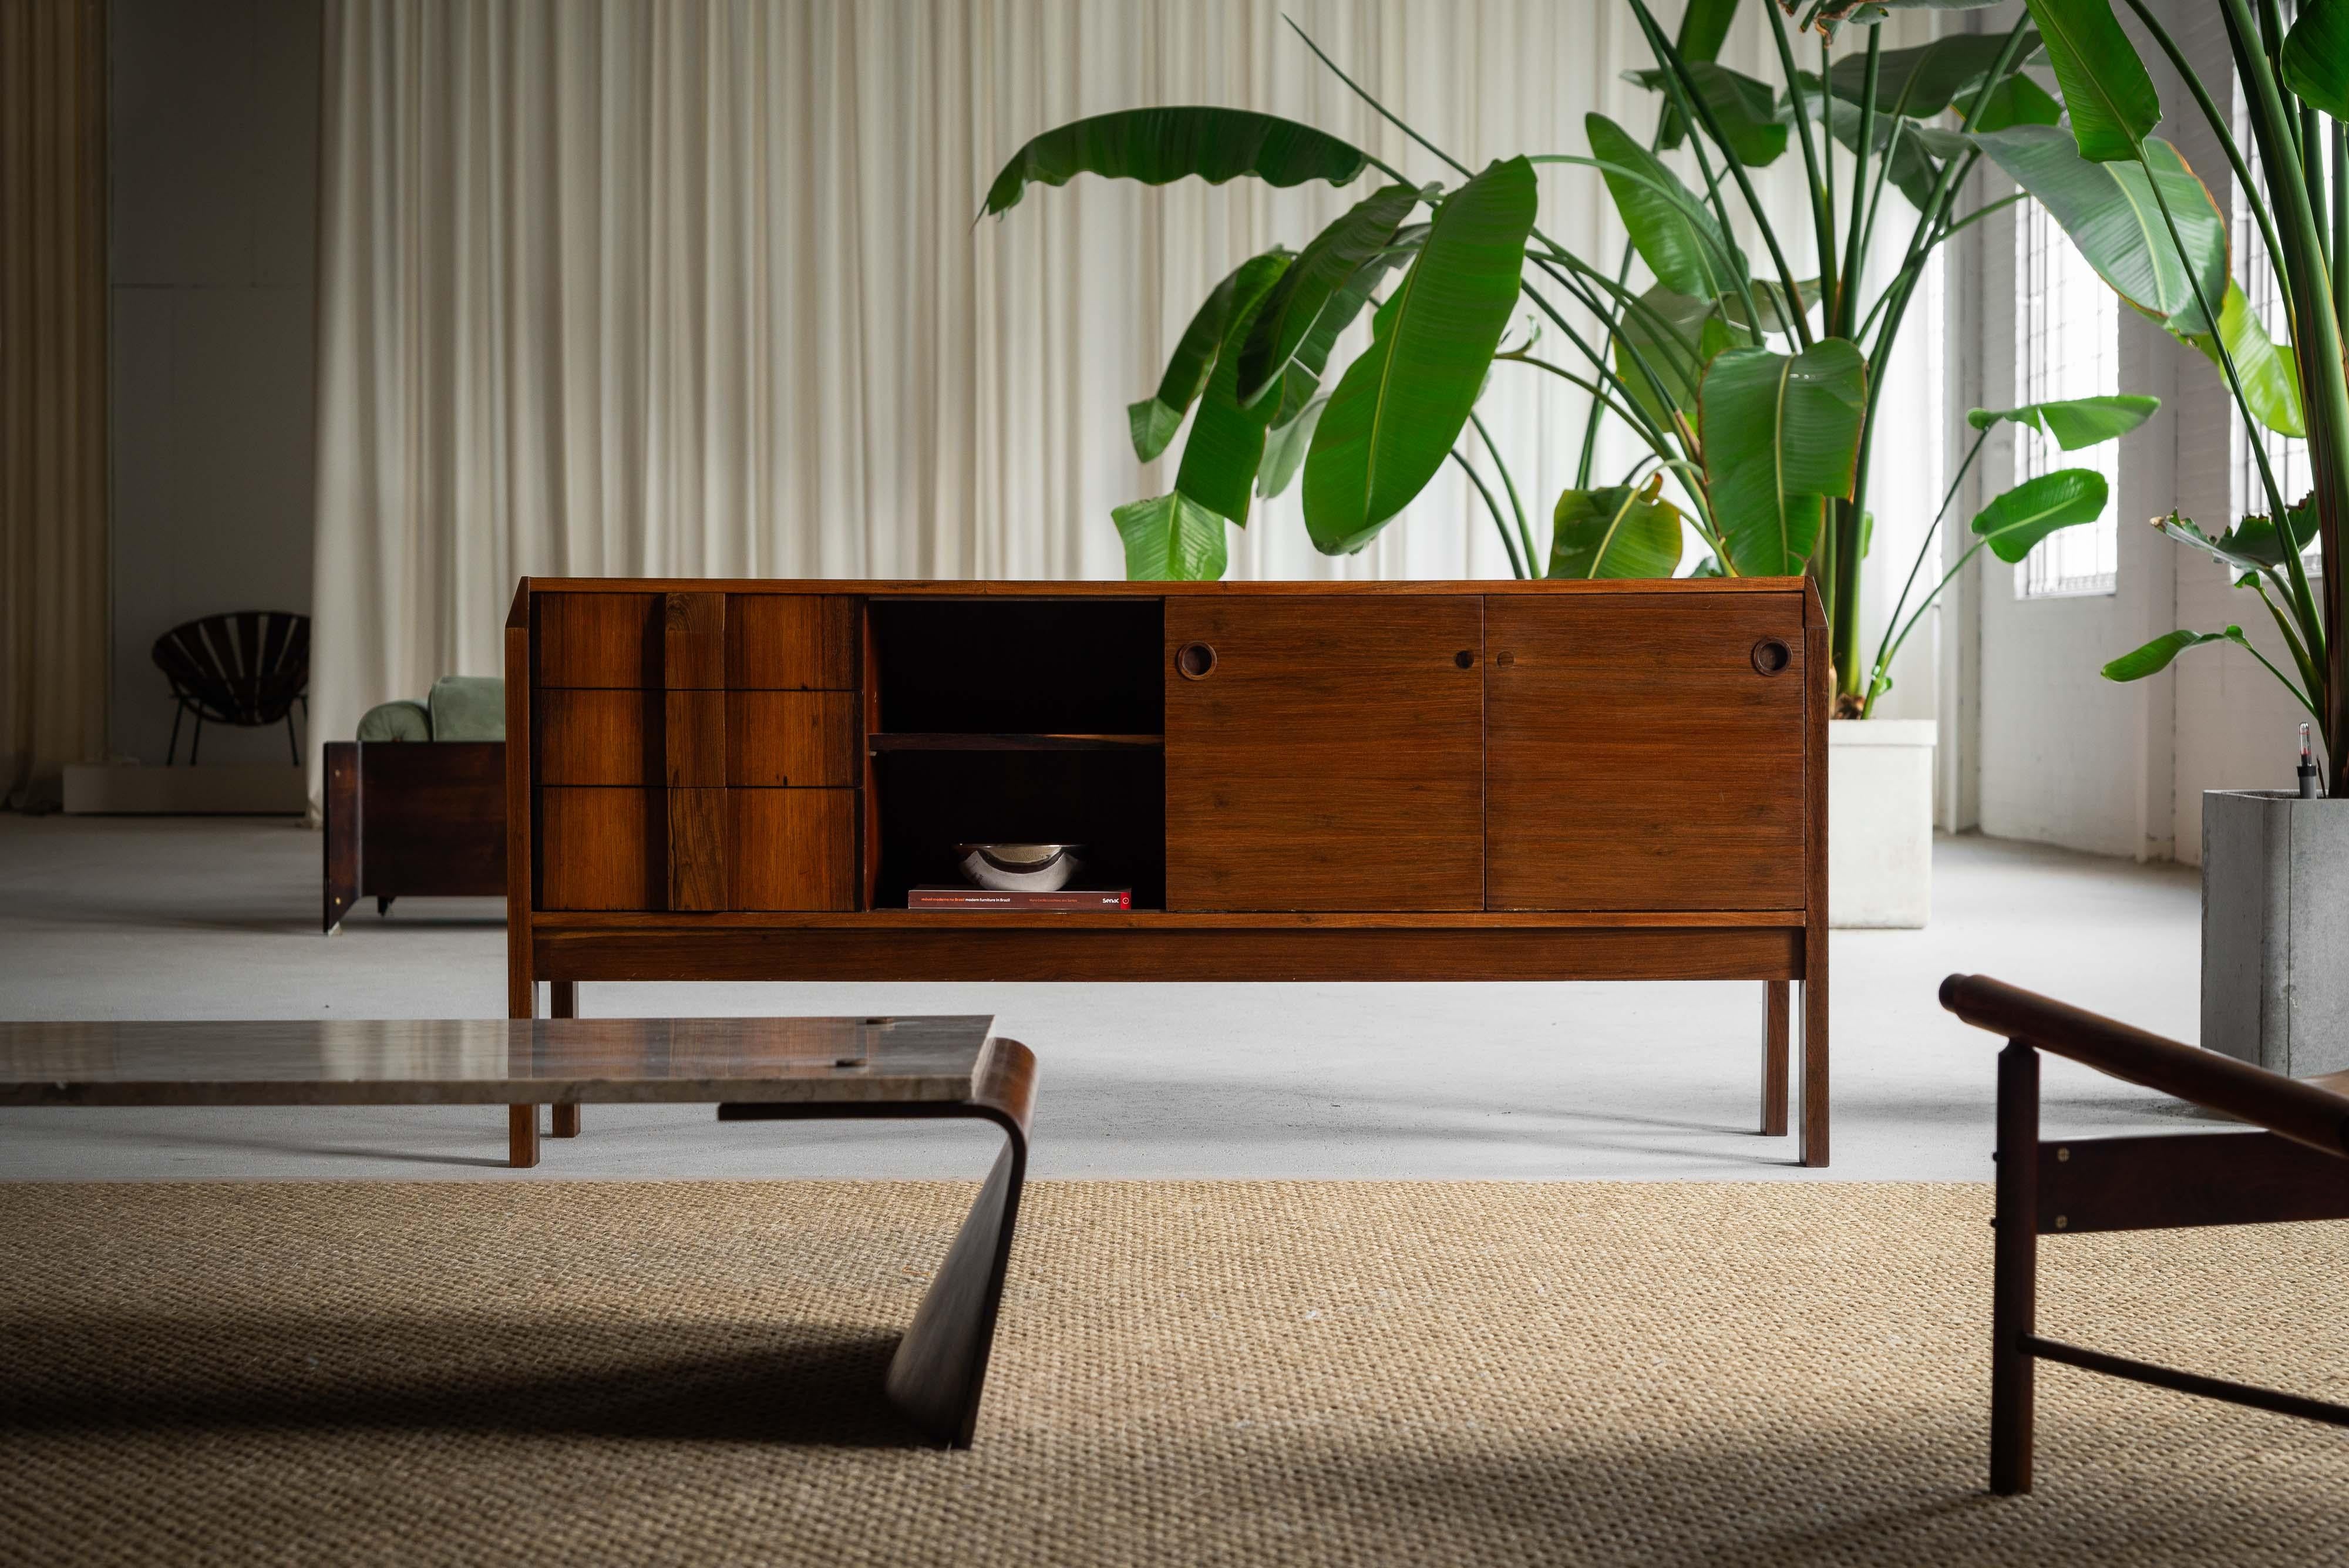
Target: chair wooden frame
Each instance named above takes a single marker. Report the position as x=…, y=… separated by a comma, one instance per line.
x=2296, y=1169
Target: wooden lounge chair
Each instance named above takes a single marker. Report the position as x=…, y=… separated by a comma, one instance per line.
x=2296, y=1169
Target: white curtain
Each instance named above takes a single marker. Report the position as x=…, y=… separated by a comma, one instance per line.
x=693, y=287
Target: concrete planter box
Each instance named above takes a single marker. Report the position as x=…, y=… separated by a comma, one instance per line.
x=1879, y=822
x=2275, y=930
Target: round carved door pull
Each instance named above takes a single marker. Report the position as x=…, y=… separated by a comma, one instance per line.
x=1196, y=660
x=1771, y=656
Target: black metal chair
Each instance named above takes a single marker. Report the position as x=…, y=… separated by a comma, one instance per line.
x=248, y=669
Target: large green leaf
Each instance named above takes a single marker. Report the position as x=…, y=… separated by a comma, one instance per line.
x=1623, y=531
x=1172, y=538
x=1227, y=441
x=1402, y=403
x=1704, y=27
x=2251, y=545
x=1302, y=382
x=2270, y=380
x=2155, y=656
x=1740, y=106
x=1335, y=255
x=1912, y=172
x=2037, y=507
x=1692, y=332
x=1159, y=146
x=1284, y=448
x=2316, y=56
x=2106, y=89
x=2109, y=211
x=1781, y=433
x=1154, y=419
x=2074, y=422
x=1925, y=81
x=1681, y=242
x=2018, y=101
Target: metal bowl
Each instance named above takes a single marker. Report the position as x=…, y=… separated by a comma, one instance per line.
x=1019, y=868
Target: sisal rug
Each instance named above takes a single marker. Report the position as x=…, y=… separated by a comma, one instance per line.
x=1187, y=1373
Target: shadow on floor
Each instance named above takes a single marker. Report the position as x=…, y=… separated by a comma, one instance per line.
x=793, y=1383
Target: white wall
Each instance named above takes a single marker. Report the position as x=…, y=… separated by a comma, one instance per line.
x=212, y=138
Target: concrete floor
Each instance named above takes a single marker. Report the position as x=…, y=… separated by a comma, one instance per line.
x=218, y=918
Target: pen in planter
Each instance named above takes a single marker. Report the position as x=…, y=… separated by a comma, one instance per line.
x=2308, y=788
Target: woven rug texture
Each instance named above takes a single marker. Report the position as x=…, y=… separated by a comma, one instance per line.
x=1186, y=1373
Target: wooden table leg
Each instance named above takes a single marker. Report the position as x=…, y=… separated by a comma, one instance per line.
x=562, y=999
x=1815, y=1050
x=1776, y=1004
x=2014, y=1269
x=940, y=1366
x=522, y=1137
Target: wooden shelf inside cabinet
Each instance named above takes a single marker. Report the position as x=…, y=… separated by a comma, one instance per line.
x=960, y=741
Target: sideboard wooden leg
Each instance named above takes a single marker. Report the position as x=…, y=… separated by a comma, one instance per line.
x=1815, y=1062
x=522, y=1137
x=1776, y=1009
x=562, y=1002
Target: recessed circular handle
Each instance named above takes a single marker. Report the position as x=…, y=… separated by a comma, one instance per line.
x=1196, y=660
x=1771, y=656
x=1466, y=659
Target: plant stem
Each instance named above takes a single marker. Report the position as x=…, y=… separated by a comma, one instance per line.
x=1533, y=562
x=1639, y=427
x=1888, y=648
x=1500, y=524
x=1847, y=303
x=1822, y=209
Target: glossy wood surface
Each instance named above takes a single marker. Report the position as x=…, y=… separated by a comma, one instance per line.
x=607, y=638
x=797, y=642
x=799, y=740
x=1820, y=673
x=399, y=1061
x=699, y=853
x=603, y=848
x=607, y=736
x=2186, y=1180
x=523, y=849
x=1330, y=760
x=982, y=947
x=1114, y=588
x=794, y=848
x=693, y=641
x=1636, y=760
x=694, y=739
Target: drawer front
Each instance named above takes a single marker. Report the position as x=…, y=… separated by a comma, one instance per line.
x=603, y=849
x=791, y=642
x=1637, y=755
x=598, y=737
x=599, y=639
x=798, y=740
x=794, y=848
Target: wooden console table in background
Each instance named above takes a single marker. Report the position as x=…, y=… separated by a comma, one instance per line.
x=1475, y=781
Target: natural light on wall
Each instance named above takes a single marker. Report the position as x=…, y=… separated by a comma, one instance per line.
x=2066, y=344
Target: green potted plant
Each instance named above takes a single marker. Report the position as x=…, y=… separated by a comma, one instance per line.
x=1750, y=390
x=2275, y=864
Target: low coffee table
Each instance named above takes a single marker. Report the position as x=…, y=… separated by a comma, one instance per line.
x=753, y=1069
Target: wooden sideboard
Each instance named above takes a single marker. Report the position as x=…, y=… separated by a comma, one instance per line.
x=741, y=780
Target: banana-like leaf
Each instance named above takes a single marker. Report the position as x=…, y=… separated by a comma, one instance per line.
x=2017, y=100
x=1623, y=531
x=2155, y=656
x=1912, y=172
x=1302, y=382
x=2074, y=422
x=1227, y=441
x=2316, y=56
x=1402, y=403
x=1925, y=81
x=1690, y=324
x=1172, y=538
x=1681, y=243
x=2037, y=507
x=1284, y=448
x=2106, y=89
x=1740, y=105
x=1154, y=419
x=1333, y=258
x=2109, y=211
x=2271, y=379
x=2250, y=547
x=1704, y=27
x=1781, y=433
x=1159, y=146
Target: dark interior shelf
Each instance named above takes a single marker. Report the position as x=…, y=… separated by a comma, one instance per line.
x=967, y=741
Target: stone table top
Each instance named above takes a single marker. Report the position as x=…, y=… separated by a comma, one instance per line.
x=417, y=1062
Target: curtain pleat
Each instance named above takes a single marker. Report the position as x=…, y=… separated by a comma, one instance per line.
x=693, y=287
x=53, y=449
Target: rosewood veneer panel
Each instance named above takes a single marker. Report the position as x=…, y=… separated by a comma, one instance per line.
x=598, y=640
x=796, y=739
x=1636, y=758
x=1331, y=758
x=603, y=849
x=794, y=848
x=791, y=642
x=599, y=737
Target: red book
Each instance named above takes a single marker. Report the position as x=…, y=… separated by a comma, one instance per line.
x=994, y=899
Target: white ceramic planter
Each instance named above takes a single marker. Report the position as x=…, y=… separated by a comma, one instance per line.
x=1879, y=822
x=2275, y=930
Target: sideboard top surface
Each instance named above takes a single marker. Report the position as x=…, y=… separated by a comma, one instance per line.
x=955, y=589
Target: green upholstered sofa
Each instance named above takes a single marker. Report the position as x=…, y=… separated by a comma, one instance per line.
x=417, y=804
